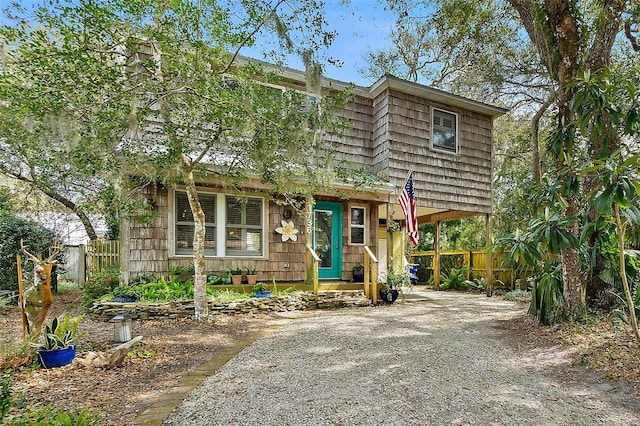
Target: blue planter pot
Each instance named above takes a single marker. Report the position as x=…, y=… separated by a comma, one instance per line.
x=263, y=294
x=388, y=296
x=57, y=357
x=124, y=299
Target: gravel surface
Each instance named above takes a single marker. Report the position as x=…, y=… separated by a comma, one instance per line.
x=447, y=359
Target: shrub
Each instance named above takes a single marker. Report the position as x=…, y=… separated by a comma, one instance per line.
x=13, y=229
x=100, y=283
x=455, y=280
x=546, y=294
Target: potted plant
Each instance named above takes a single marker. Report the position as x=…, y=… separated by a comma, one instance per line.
x=236, y=275
x=260, y=291
x=125, y=293
x=59, y=339
x=252, y=278
x=394, y=283
x=358, y=273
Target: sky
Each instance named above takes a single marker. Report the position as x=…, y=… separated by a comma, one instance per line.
x=360, y=24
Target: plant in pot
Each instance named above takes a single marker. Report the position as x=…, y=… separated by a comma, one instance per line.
x=236, y=276
x=59, y=340
x=252, y=278
x=125, y=293
x=358, y=273
x=394, y=283
x=260, y=291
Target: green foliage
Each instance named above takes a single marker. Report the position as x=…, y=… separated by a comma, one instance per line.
x=13, y=229
x=214, y=279
x=550, y=229
x=164, y=290
x=127, y=291
x=455, y=280
x=143, y=279
x=518, y=295
x=99, y=284
x=276, y=292
x=546, y=294
x=395, y=281
x=521, y=250
x=259, y=288
x=5, y=395
x=57, y=417
x=226, y=295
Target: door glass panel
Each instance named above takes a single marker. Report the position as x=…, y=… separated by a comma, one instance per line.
x=323, y=242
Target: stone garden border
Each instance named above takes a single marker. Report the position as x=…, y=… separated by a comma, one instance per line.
x=299, y=301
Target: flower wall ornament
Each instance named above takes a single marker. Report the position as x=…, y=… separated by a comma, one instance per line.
x=288, y=231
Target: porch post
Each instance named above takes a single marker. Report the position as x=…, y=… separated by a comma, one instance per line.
x=489, y=257
x=436, y=257
x=389, y=235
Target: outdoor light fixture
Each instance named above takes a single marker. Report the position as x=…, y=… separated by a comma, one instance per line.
x=122, y=327
x=287, y=213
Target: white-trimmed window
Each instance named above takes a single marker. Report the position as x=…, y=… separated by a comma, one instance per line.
x=244, y=226
x=357, y=225
x=445, y=130
x=233, y=227
x=185, y=224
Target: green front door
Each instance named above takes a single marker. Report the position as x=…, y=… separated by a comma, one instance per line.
x=327, y=238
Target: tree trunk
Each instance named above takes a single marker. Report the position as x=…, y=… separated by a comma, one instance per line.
x=200, y=279
x=573, y=289
x=535, y=137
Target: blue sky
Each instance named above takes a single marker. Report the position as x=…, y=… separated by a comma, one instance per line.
x=360, y=24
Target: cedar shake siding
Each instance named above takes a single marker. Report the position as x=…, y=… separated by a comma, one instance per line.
x=391, y=130
x=152, y=243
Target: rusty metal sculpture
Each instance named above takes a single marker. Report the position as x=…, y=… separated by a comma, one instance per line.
x=37, y=298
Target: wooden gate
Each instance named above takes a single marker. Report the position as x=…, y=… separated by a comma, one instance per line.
x=102, y=254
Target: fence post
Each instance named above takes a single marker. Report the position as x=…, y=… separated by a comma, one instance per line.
x=82, y=264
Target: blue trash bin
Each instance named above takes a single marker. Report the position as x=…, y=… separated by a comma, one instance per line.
x=412, y=269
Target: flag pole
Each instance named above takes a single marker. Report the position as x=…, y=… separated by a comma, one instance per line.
x=408, y=176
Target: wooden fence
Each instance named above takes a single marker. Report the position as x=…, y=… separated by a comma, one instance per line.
x=102, y=254
x=474, y=260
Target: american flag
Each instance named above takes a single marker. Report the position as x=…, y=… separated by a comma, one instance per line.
x=407, y=202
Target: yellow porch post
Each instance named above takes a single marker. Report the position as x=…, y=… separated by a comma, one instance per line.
x=398, y=250
x=489, y=242
x=436, y=257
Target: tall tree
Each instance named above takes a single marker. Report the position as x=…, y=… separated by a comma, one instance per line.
x=562, y=39
x=160, y=88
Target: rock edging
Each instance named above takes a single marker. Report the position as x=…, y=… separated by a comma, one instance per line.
x=181, y=309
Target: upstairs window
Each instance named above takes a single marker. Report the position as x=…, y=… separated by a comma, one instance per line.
x=444, y=133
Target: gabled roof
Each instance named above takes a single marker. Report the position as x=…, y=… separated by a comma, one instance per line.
x=389, y=81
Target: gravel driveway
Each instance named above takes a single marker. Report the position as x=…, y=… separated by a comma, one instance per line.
x=442, y=360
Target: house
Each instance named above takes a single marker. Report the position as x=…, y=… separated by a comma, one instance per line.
x=395, y=126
